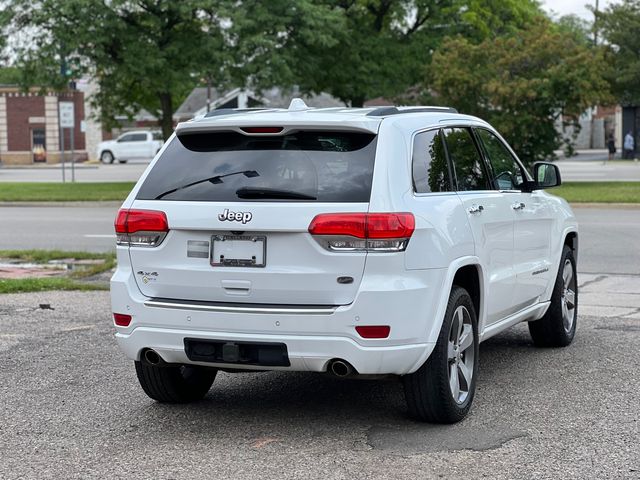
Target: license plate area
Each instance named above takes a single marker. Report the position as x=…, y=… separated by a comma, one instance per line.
x=239, y=251
x=240, y=353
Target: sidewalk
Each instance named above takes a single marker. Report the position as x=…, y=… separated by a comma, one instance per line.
x=609, y=296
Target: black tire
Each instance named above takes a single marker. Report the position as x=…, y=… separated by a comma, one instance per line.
x=427, y=390
x=107, y=157
x=551, y=330
x=175, y=383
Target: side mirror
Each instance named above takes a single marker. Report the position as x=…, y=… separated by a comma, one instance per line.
x=545, y=175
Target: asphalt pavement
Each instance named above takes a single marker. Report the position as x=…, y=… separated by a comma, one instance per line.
x=585, y=167
x=609, y=237
x=72, y=408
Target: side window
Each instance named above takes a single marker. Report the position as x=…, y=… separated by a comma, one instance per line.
x=138, y=137
x=466, y=160
x=430, y=171
x=126, y=138
x=507, y=173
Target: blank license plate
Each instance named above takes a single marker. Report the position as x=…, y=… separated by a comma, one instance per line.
x=238, y=251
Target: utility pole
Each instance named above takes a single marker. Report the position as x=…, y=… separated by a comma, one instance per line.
x=596, y=12
x=595, y=45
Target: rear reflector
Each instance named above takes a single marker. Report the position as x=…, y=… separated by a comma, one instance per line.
x=261, y=129
x=121, y=319
x=374, y=331
x=141, y=228
x=386, y=232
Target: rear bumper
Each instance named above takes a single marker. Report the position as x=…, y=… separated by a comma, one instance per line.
x=306, y=353
x=407, y=304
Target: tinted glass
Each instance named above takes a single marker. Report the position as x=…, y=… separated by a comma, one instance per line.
x=126, y=138
x=466, y=159
x=138, y=137
x=319, y=166
x=507, y=174
x=430, y=171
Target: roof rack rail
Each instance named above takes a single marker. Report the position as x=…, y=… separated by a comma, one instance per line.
x=386, y=111
x=231, y=111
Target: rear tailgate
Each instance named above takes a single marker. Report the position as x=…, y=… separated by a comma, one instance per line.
x=241, y=235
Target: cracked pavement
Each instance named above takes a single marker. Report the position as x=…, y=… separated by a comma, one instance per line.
x=71, y=407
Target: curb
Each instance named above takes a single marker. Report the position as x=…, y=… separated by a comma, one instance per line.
x=622, y=206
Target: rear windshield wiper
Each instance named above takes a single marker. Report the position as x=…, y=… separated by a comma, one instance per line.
x=215, y=180
x=257, y=192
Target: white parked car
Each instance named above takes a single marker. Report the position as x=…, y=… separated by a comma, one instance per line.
x=348, y=241
x=139, y=144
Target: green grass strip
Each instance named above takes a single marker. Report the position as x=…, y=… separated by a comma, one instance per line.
x=45, y=256
x=24, y=285
x=64, y=192
x=599, y=192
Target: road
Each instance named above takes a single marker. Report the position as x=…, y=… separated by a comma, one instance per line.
x=586, y=167
x=609, y=238
x=126, y=172
x=71, y=408
x=595, y=171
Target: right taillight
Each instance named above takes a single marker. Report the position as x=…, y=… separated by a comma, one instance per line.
x=377, y=232
x=121, y=319
x=141, y=228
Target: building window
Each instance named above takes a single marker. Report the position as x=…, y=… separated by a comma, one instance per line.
x=39, y=145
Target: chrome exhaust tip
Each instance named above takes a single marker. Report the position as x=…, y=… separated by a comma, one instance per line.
x=340, y=368
x=152, y=357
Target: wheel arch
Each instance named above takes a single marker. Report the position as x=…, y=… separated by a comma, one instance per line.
x=571, y=241
x=466, y=272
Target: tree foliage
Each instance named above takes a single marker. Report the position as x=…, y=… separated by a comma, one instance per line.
x=620, y=24
x=522, y=83
x=384, y=45
x=148, y=54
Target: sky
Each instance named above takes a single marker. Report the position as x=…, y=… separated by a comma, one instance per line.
x=577, y=7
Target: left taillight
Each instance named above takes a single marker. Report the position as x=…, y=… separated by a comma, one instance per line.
x=140, y=228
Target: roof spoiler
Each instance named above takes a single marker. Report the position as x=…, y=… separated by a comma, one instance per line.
x=387, y=111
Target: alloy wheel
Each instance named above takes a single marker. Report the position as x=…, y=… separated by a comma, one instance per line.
x=461, y=354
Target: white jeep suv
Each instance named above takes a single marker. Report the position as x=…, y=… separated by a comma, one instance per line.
x=367, y=241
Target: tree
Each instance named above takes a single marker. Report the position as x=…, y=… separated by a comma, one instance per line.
x=620, y=24
x=522, y=83
x=385, y=45
x=148, y=54
x=142, y=53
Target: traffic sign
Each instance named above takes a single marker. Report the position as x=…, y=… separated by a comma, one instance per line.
x=67, y=118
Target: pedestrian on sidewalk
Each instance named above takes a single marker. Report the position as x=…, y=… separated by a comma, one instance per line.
x=611, y=145
x=628, y=145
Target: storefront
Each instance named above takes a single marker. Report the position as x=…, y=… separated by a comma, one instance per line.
x=29, y=130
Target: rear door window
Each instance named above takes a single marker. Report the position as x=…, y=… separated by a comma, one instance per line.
x=467, y=162
x=138, y=137
x=320, y=166
x=430, y=168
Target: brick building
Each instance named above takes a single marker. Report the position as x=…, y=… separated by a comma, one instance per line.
x=29, y=130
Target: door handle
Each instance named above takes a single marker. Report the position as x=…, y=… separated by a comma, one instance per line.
x=518, y=206
x=473, y=209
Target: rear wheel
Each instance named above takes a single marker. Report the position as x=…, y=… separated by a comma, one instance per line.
x=175, y=383
x=442, y=390
x=558, y=326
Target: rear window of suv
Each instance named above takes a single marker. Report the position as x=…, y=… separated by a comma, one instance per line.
x=322, y=166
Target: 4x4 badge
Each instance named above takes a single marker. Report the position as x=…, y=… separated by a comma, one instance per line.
x=243, y=217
